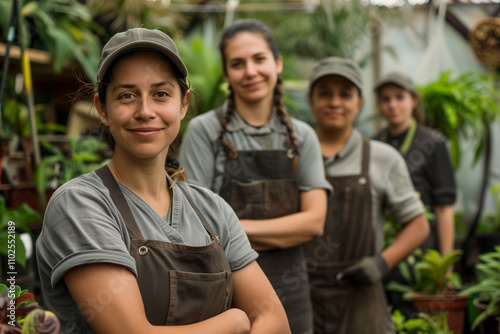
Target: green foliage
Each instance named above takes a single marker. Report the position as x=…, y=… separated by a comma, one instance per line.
x=85, y=155
x=65, y=28
x=488, y=285
x=12, y=222
x=205, y=76
x=423, y=324
x=462, y=109
x=430, y=275
x=490, y=222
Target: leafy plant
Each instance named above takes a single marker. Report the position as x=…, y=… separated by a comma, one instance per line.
x=491, y=221
x=488, y=285
x=423, y=324
x=20, y=313
x=462, y=108
x=430, y=275
x=12, y=221
x=85, y=155
x=65, y=28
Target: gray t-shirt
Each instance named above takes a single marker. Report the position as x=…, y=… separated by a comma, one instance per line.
x=82, y=225
x=391, y=186
x=204, y=159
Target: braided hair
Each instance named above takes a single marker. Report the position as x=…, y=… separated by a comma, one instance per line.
x=257, y=27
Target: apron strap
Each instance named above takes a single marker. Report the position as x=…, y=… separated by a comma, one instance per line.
x=117, y=196
x=366, y=157
x=207, y=226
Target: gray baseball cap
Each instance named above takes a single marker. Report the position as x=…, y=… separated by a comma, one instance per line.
x=396, y=78
x=337, y=66
x=139, y=39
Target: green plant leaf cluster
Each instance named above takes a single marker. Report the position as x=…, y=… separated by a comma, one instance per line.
x=205, y=75
x=422, y=324
x=21, y=218
x=430, y=274
x=64, y=28
x=462, y=108
x=488, y=285
x=56, y=168
x=490, y=222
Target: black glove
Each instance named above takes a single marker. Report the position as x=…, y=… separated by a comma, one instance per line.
x=368, y=270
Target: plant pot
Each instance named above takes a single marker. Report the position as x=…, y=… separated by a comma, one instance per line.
x=451, y=303
x=490, y=325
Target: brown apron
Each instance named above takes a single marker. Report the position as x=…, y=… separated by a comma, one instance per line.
x=179, y=284
x=342, y=307
x=262, y=185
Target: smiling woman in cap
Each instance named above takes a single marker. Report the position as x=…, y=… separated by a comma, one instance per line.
x=369, y=178
x=131, y=247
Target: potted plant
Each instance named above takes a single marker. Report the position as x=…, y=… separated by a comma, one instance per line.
x=487, y=289
x=432, y=286
x=423, y=323
x=20, y=313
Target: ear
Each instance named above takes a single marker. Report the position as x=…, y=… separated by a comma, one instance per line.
x=279, y=65
x=415, y=101
x=360, y=104
x=185, y=104
x=100, y=110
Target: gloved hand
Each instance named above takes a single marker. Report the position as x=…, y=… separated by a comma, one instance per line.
x=368, y=270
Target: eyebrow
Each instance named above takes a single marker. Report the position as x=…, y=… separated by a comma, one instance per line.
x=158, y=84
x=252, y=56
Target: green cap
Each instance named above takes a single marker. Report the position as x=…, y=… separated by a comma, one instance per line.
x=396, y=78
x=139, y=39
x=337, y=66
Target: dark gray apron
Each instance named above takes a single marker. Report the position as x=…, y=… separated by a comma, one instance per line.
x=179, y=284
x=263, y=185
x=342, y=307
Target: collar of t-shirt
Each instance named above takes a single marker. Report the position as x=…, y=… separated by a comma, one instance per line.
x=274, y=125
x=397, y=140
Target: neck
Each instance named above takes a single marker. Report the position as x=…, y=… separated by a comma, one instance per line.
x=255, y=114
x=397, y=129
x=332, y=142
x=143, y=177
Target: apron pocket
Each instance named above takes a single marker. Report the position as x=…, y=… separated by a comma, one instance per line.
x=198, y=296
x=329, y=307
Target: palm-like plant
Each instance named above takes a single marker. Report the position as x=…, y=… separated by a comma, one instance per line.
x=488, y=285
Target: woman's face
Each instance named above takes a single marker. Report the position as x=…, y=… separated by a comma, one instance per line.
x=335, y=102
x=396, y=105
x=144, y=106
x=251, y=69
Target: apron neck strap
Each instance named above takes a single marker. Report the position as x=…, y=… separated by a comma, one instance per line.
x=207, y=226
x=366, y=157
x=405, y=146
x=117, y=196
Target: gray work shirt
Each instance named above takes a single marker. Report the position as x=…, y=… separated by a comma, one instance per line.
x=82, y=225
x=203, y=157
x=391, y=187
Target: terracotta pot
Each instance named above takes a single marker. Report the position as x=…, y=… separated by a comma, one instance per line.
x=490, y=325
x=449, y=302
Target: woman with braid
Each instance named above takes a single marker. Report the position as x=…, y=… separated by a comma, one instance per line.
x=266, y=165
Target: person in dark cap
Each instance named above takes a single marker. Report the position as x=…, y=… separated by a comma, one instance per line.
x=425, y=152
x=426, y=155
x=131, y=247
x=347, y=264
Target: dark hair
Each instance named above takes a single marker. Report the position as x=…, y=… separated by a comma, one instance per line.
x=257, y=27
x=417, y=112
x=87, y=90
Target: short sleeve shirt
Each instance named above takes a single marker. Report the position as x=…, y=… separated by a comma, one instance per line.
x=82, y=226
x=204, y=159
x=391, y=187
